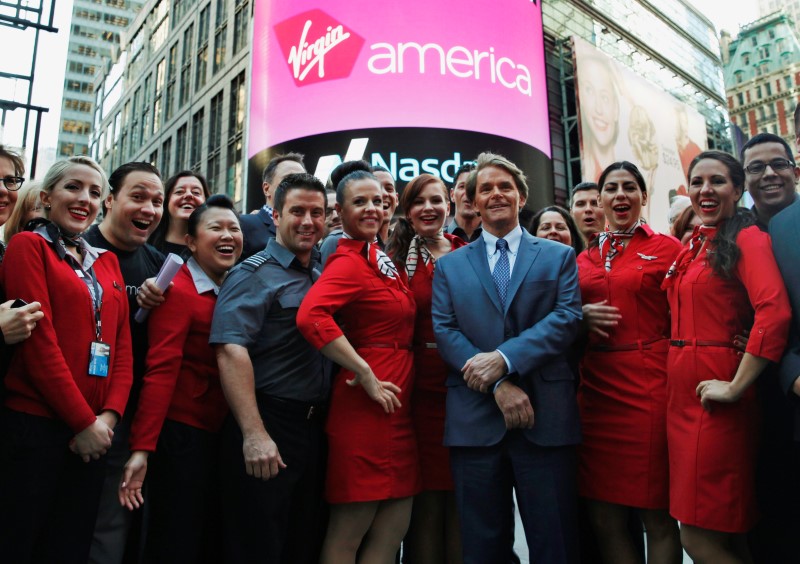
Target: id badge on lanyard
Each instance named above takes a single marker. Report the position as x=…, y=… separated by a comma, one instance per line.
x=99, y=352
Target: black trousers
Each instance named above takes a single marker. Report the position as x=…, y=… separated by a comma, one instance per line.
x=283, y=519
x=48, y=495
x=182, y=508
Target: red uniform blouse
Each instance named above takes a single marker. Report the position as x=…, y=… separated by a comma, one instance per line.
x=182, y=378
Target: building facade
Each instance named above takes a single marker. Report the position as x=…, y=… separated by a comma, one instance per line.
x=762, y=77
x=95, y=32
x=177, y=95
x=789, y=8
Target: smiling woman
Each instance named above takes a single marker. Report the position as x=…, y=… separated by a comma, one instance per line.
x=181, y=406
x=68, y=383
x=185, y=191
x=372, y=466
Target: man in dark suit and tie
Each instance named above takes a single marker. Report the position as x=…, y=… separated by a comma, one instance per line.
x=259, y=228
x=506, y=308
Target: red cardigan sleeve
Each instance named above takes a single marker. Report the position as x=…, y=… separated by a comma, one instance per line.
x=759, y=273
x=340, y=284
x=121, y=373
x=27, y=275
x=167, y=330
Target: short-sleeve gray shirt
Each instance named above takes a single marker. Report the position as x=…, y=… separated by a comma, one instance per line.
x=257, y=309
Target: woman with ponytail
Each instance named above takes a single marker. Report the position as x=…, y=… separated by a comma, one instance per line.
x=417, y=242
x=725, y=281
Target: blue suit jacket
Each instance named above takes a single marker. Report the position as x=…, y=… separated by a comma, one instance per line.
x=257, y=230
x=534, y=331
x=784, y=229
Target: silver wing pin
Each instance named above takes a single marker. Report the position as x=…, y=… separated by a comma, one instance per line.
x=647, y=257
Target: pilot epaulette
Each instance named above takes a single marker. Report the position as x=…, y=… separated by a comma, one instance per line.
x=255, y=262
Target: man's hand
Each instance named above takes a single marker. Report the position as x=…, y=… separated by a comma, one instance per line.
x=515, y=405
x=261, y=457
x=600, y=317
x=17, y=323
x=149, y=295
x=483, y=370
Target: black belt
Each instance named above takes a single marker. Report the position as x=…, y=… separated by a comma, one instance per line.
x=700, y=343
x=638, y=345
x=306, y=410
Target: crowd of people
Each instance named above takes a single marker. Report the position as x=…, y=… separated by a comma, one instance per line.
x=326, y=382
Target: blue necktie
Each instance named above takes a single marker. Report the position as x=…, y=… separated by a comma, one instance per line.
x=502, y=271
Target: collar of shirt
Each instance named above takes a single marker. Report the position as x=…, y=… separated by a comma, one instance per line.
x=267, y=209
x=89, y=253
x=455, y=229
x=285, y=257
x=202, y=283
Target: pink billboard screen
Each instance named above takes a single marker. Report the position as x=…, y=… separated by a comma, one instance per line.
x=339, y=66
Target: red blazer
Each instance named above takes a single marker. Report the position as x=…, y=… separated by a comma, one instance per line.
x=182, y=378
x=48, y=375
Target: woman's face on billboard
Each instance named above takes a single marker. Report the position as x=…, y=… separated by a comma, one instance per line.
x=598, y=100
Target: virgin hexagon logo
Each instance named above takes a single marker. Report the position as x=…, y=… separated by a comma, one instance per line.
x=316, y=47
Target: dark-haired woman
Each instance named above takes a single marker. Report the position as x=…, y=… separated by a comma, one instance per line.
x=416, y=243
x=373, y=467
x=725, y=281
x=68, y=383
x=181, y=405
x=555, y=223
x=622, y=394
x=184, y=192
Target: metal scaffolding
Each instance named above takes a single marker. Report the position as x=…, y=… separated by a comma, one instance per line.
x=27, y=16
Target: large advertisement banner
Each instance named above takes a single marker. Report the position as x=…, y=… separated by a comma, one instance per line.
x=624, y=117
x=415, y=86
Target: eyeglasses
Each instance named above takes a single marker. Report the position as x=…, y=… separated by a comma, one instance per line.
x=12, y=183
x=758, y=167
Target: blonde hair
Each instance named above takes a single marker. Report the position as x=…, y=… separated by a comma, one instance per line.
x=27, y=199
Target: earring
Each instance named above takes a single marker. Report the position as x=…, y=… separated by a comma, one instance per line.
x=47, y=207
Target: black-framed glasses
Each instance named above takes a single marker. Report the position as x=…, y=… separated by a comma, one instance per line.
x=758, y=167
x=12, y=183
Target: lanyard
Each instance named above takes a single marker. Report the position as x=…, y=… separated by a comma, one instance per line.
x=97, y=303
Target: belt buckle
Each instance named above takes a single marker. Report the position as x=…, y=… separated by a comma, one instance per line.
x=679, y=342
x=310, y=413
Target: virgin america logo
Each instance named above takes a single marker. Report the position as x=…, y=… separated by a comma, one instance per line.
x=316, y=47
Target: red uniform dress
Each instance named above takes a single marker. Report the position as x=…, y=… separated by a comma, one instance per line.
x=430, y=372
x=623, y=390
x=372, y=454
x=712, y=455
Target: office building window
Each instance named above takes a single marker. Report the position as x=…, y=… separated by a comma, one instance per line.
x=202, y=49
x=196, y=148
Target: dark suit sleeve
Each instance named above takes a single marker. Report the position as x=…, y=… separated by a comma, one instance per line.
x=553, y=335
x=454, y=347
x=785, y=250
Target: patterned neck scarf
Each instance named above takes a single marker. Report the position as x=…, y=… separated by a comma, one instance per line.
x=378, y=260
x=702, y=233
x=418, y=253
x=615, y=242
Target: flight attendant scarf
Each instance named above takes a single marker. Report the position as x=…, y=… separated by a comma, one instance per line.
x=611, y=242
x=418, y=253
x=702, y=233
x=378, y=260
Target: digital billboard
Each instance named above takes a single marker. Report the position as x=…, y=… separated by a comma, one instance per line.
x=625, y=117
x=416, y=86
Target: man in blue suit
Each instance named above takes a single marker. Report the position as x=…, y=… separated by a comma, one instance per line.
x=506, y=308
x=259, y=228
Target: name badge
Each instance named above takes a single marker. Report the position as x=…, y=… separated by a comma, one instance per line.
x=98, y=359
